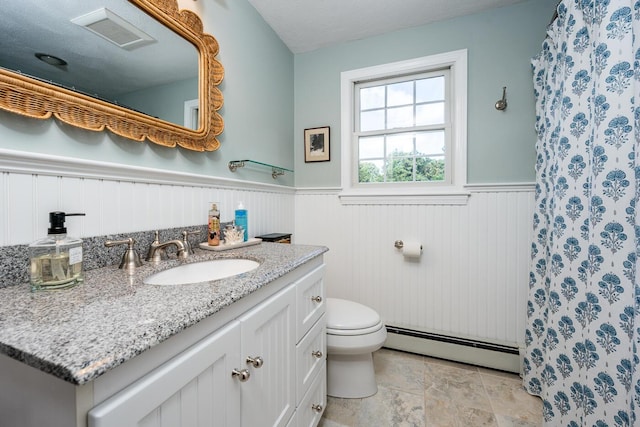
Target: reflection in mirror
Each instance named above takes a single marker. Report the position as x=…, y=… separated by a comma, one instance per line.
x=141, y=57
x=111, y=51
x=191, y=114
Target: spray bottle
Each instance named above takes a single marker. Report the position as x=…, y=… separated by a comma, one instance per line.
x=242, y=220
x=214, y=225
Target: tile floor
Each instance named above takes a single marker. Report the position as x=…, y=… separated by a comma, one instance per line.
x=415, y=390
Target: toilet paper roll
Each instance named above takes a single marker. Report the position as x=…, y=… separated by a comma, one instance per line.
x=412, y=250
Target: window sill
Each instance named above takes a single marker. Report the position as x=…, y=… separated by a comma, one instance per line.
x=378, y=197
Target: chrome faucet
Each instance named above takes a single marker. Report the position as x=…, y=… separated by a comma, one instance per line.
x=156, y=250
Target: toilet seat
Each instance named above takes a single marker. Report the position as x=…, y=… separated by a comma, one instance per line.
x=351, y=318
x=354, y=332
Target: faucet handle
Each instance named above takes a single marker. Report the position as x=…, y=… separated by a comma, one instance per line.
x=185, y=239
x=130, y=259
x=155, y=252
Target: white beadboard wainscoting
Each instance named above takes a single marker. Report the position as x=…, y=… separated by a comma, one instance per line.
x=119, y=199
x=464, y=299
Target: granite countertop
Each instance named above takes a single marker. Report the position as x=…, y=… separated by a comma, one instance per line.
x=80, y=333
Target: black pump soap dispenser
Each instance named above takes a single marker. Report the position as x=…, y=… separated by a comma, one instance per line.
x=56, y=260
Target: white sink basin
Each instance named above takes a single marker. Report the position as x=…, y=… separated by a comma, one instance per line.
x=201, y=271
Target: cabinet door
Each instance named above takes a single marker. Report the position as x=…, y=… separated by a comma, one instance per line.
x=268, y=332
x=194, y=389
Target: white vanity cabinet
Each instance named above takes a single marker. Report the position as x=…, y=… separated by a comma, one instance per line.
x=267, y=367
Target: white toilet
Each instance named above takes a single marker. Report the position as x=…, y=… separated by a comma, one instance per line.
x=354, y=331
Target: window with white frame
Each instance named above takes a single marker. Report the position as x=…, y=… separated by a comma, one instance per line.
x=404, y=128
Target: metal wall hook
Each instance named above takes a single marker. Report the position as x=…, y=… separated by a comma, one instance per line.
x=501, y=104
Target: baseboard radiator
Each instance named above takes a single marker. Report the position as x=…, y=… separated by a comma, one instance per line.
x=479, y=353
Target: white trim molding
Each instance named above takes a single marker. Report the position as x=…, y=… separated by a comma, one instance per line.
x=399, y=198
x=317, y=190
x=500, y=186
x=50, y=165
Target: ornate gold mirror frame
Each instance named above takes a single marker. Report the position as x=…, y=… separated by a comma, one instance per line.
x=34, y=98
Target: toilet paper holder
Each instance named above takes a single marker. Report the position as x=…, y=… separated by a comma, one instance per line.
x=399, y=244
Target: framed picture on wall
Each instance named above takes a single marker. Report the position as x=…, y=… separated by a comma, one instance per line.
x=316, y=144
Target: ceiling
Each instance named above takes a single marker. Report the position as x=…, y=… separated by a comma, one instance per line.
x=306, y=25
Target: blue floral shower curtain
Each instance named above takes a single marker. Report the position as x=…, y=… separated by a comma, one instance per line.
x=583, y=313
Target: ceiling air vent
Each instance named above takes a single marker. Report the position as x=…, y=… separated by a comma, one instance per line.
x=113, y=28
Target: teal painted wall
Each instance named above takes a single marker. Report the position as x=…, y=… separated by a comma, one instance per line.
x=258, y=108
x=271, y=96
x=500, y=43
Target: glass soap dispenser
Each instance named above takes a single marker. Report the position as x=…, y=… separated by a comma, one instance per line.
x=56, y=260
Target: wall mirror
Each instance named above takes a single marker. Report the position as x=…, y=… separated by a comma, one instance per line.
x=127, y=66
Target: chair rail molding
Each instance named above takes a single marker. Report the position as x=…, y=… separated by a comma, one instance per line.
x=44, y=164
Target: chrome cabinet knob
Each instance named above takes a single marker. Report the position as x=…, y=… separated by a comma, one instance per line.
x=317, y=354
x=256, y=362
x=242, y=375
x=316, y=298
x=316, y=408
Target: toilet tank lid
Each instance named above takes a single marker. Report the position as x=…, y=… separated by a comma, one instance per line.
x=344, y=314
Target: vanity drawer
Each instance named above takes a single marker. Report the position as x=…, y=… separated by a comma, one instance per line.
x=310, y=301
x=311, y=354
x=315, y=401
